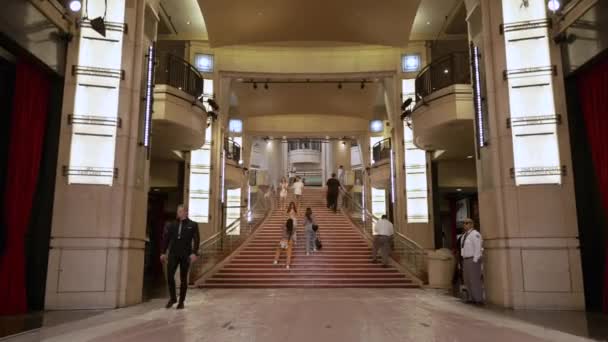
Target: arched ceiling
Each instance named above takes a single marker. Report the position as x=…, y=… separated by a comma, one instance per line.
x=385, y=22
x=308, y=98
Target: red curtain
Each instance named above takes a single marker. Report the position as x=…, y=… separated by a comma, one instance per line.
x=593, y=92
x=28, y=123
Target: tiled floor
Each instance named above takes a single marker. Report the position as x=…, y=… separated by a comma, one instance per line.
x=318, y=315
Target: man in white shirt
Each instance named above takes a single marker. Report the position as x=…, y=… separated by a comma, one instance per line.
x=298, y=187
x=471, y=251
x=383, y=233
x=341, y=175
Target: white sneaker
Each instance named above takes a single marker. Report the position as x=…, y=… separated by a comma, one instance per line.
x=275, y=262
x=307, y=253
x=287, y=267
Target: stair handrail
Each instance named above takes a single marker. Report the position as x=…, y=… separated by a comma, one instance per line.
x=407, y=252
x=221, y=244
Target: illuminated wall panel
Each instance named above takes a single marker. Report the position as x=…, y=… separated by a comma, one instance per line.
x=378, y=202
x=533, y=118
x=233, y=210
x=200, y=180
x=95, y=117
x=416, y=186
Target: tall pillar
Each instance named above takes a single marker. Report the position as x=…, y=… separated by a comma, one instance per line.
x=527, y=205
x=285, y=158
x=96, y=255
x=363, y=141
x=222, y=89
x=392, y=89
x=323, y=162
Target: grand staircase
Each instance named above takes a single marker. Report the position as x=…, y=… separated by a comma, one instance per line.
x=344, y=261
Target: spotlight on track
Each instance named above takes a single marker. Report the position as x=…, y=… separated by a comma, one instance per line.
x=75, y=5
x=98, y=24
x=213, y=104
x=406, y=103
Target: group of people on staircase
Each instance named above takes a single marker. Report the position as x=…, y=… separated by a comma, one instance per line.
x=298, y=189
x=289, y=234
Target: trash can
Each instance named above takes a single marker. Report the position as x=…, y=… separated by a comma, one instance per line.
x=441, y=265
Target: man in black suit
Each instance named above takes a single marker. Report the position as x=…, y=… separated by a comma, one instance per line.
x=333, y=189
x=182, y=239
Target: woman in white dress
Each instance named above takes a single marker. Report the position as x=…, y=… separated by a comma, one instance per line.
x=283, y=193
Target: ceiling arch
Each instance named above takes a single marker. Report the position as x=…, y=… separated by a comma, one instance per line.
x=234, y=22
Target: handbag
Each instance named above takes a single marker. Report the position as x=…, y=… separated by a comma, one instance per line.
x=318, y=243
x=315, y=227
x=283, y=244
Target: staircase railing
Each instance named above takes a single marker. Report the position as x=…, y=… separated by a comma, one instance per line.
x=220, y=245
x=406, y=252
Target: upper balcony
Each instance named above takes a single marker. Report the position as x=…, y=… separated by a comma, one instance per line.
x=304, y=151
x=233, y=171
x=443, y=116
x=179, y=118
x=381, y=171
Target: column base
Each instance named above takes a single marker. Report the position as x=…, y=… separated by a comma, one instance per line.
x=102, y=273
x=534, y=273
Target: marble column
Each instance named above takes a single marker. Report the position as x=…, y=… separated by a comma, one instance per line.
x=531, y=248
x=96, y=256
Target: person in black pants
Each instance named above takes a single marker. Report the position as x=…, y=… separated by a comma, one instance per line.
x=333, y=189
x=182, y=239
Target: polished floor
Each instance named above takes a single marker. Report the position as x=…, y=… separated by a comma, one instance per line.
x=303, y=315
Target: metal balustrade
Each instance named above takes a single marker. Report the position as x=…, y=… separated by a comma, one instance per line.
x=382, y=150
x=443, y=72
x=178, y=73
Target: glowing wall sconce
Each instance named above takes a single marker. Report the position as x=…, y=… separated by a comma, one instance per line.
x=203, y=62
x=410, y=63
x=235, y=126
x=376, y=126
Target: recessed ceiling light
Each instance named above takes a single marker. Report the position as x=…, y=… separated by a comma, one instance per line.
x=428, y=23
x=469, y=157
x=187, y=23
x=459, y=189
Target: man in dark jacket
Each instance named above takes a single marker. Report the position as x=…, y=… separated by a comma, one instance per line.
x=182, y=239
x=333, y=189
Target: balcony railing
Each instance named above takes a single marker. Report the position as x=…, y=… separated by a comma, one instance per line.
x=232, y=149
x=176, y=72
x=443, y=72
x=382, y=150
x=304, y=144
x=223, y=243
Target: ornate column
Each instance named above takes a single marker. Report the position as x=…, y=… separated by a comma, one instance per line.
x=96, y=255
x=527, y=203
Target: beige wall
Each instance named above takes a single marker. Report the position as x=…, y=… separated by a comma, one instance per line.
x=279, y=125
x=341, y=155
x=164, y=173
x=344, y=59
x=457, y=174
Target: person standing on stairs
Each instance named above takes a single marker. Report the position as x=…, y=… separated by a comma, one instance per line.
x=292, y=213
x=311, y=235
x=383, y=233
x=286, y=243
x=341, y=174
x=298, y=187
x=283, y=193
x=182, y=239
x=333, y=189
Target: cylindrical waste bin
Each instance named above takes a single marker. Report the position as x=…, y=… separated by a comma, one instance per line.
x=441, y=265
